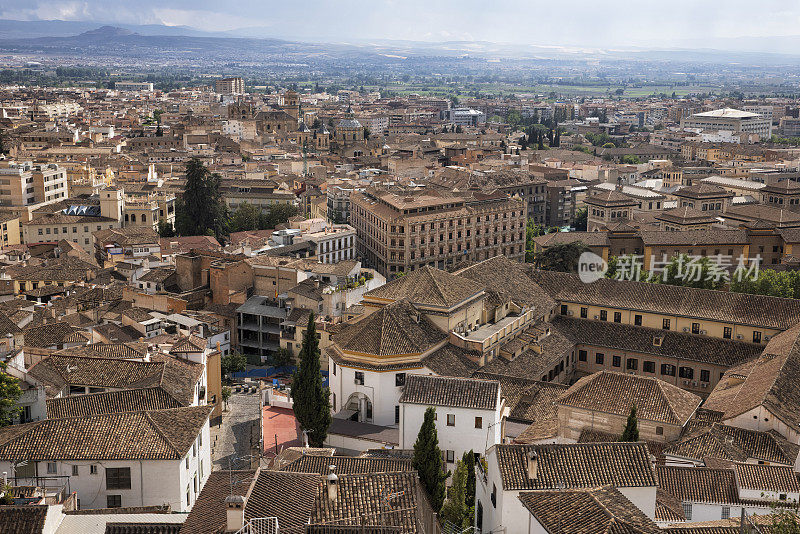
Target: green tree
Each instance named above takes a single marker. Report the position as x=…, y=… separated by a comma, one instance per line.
x=581, y=219
x=311, y=406
x=201, y=208
x=455, y=509
x=631, y=432
x=282, y=357
x=563, y=257
x=698, y=272
x=245, y=217
x=10, y=392
x=427, y=460
x=277, y=214
x=630, y=159
x=226, y=395
x=532, y=230
x=165, y=228
x=469, y=499
x=784, y=521
x=235, y=362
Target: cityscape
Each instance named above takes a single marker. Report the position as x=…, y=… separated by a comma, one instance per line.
x=250, y=253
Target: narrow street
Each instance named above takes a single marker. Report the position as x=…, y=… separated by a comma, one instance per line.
x=237, y=438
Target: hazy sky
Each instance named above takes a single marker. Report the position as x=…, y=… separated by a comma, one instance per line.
x=558, y=22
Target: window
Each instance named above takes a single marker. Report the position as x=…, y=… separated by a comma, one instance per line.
x=93, y=469
x=705, y=375
x=118, y=478
x=687, y=510
x=563, y=309
x=451, y=419
x=603, y=315
x=667, y=369
x=632, y=364
x=74, y=470
x=584, y=313
x=649, y=366
x=695, y=328
x=726, y=512
x=617, y=317
x=686, y=372
x=494, y=496
x=333, y=369
x=479, y=422
x=114, y=501
x=52, y=468
x=616, y=361
x=637, y=320
x=599, y=358
x=665, y=324
x=397, y=415
x=756, y=336
x=582, y=355
x=359, y=379
x=400, y=379
x=451, y=456
x=659, y=430
x=727, y=332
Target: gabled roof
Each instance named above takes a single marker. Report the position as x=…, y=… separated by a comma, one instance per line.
x=208, y=514
x=577, y=465
x=126, y=400
x=56, y=372
x=698, y=484
x=616, y=393
x=154, y=435
x=311, y=463
x=587, y=511
x=736, y=445
x=506, y=280
x=726, y=306
x=188, y=344
x=453, y=392
x=397, y=329
x=427, y=286
x=778, y=478
x=770, y=381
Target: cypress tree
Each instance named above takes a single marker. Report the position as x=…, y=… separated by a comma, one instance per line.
x=455, y=510
x=311, y=406
x=428, y=460
x=469, y=462
x=631, y=432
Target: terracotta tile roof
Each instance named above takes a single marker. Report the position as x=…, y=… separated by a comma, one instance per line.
x=125, y=351
x=587, y=511
x=625, y=337
x=126, y=400
x=208, y=514
x=288, y=496
x=23, y=519
x=612, y=392
x=347, y=464
x=711, y=237
x=56, y=372
x=427, y=286
x=533, y=364
x=735, y=444
x=698, y=484
x=451, y=360
x=668, y=508
x=770, y=381
x=432, y=390
x=736, y=308
x=154, y=435
x=577, y=465
x=359, y=501
x=395, y=329
x=190, y=343
x=778, y=478
x=48, y=335
x=157, y=275
x=504, y=281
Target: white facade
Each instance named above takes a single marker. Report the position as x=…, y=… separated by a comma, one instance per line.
x=471, y=429
x=152, y=482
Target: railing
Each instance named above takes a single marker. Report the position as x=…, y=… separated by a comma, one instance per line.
x=260, y=525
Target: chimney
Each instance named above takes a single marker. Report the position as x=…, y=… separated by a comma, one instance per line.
x=234, y=505
x=333, y=484
x=532, y=459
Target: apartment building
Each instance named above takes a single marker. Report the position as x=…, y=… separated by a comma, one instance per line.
x=230, y=86
x=133, y=86
x=23, y=184
x=399, y=231
x=730, y=119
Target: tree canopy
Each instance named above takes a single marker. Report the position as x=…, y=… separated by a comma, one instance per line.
x=631, y=432
x=10, y=392
x=201, y=210
x=427, y=460
x=311, y=405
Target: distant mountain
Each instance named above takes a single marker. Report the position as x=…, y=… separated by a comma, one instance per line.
x=106, y=32
x=28, y=29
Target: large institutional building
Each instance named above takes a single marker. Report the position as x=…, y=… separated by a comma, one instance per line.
x=730, y=119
